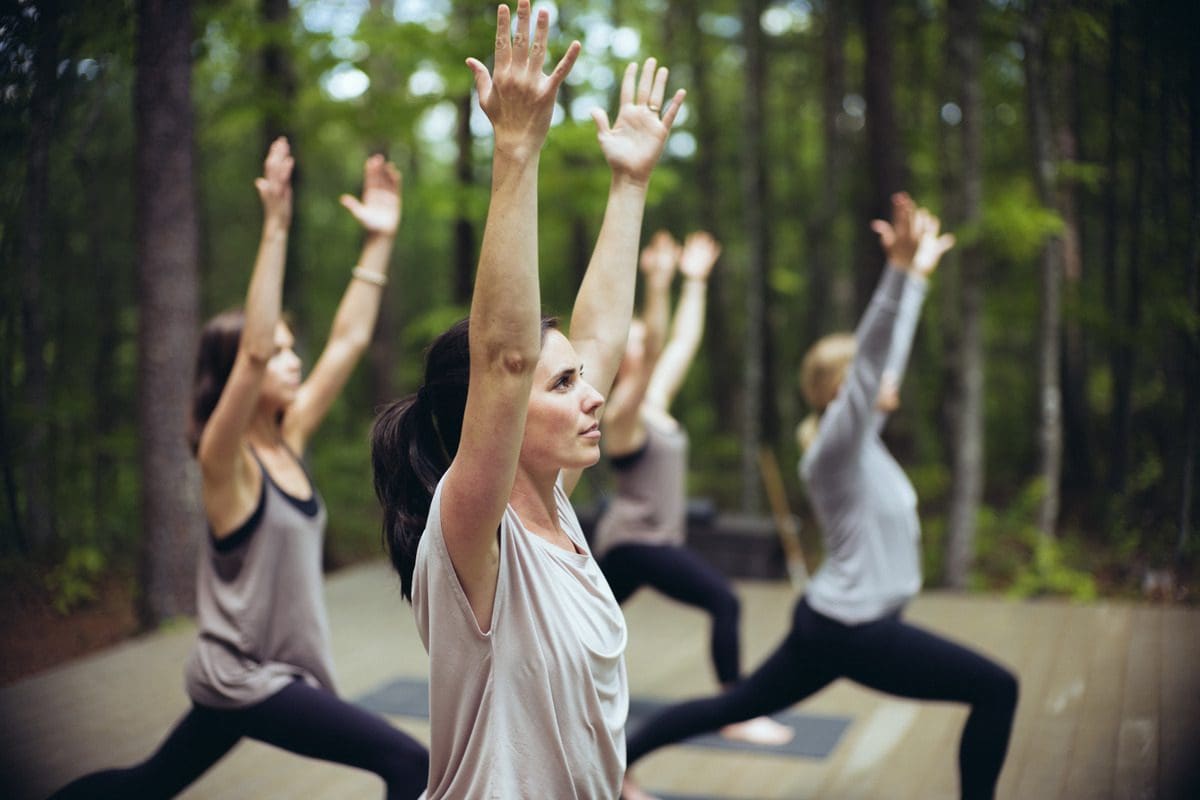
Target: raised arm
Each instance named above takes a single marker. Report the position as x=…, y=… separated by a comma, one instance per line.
x=623, y=429
x=505, y=320
x=900, y=292
x=700, y=253
x=604, y=305
x=222, y=461
x=379, y=214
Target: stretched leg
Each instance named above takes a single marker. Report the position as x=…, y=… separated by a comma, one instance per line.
x=907, y=661
x=197, y=742
x=794, y=671
x=316, y=723
x=623, y=570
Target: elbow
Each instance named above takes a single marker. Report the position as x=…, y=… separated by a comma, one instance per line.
x=503, y=355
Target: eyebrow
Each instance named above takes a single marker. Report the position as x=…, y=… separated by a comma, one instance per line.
x=565, y=371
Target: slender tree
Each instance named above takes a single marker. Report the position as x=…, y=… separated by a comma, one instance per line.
x=38, y=480
x=886, y=173
x=1049, y=323
x=966, y=489
x=754, y=194
x=172, y=524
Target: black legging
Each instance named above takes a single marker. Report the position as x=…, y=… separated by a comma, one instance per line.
x=310, y=722
x=681, y=575
x=888, y=655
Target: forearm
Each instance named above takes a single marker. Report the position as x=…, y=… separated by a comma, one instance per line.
x=359, y=309
x=688, y=326
x=904, y=330
x=505, y=305
x=656, y=313
x=264, y=298
x=604, y=304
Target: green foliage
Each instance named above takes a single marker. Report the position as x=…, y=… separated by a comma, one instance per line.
x=73, y=581
x=1013, y=552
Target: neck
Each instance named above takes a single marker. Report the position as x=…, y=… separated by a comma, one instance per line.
x=263, y=431
x=532, y=498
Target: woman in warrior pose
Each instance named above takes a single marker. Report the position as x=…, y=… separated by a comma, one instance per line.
x=640, y=536
x=262, y=666
x=849, y=621
x=528, y=694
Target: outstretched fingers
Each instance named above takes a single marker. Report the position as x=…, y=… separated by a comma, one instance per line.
x=627, y=83
x=504, y=44
x=565, y=64
x=646, y=82
x=673, y=110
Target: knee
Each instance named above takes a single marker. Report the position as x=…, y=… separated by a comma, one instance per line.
x=1003, y=691
x=725, y=605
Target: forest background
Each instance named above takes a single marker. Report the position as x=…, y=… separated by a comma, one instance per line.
x=1049, y=415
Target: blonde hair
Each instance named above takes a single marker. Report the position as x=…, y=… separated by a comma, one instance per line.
x=821, y=375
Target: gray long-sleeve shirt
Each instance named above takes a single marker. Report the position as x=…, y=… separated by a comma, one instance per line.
x=863, y=500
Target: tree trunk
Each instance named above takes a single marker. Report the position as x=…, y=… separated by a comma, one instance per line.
x=754, y=194
x=38, y=521
x=827, y=306
x=382, y=353
x=720, y=343
x=885, y=169
x=172, y=522
x=967, y=480
x=1117, y=436
x=1191, y=346
x=279, y=99
x=1049, y=323
x=465, y=247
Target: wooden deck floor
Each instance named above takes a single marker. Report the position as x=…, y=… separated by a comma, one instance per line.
x=1110, y=704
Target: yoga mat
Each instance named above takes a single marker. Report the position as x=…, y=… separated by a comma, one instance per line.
x=816, y=735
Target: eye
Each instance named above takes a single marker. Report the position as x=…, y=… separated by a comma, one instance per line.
x=565, y=381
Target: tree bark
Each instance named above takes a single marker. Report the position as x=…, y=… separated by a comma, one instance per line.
x=279, y=99
x=1191, y=345
x=754, y=194
x=827, y=307
x=885, y=168
x=172, y=522
x=720, y=343
x=966, y=488
x=38, y=516
x=1050, y=319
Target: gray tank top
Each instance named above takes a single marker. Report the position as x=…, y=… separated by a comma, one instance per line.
x=535, y=707
x=650, y=504
x=260, y=605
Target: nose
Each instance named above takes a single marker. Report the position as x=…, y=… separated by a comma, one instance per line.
x=592, y=399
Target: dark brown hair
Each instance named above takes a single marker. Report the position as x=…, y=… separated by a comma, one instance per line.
x=218, y=350
x=413, y=442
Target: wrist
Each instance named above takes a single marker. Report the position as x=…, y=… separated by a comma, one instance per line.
x=275, y=227
x=625, y=182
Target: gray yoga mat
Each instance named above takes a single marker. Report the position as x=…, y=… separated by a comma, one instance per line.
x=816, y=735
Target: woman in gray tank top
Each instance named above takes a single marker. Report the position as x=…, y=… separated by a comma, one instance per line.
x=640, y=537
x=849, y=623
x=262, y=665
x=528, y=694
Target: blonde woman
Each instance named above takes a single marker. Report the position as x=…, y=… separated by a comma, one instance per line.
x=849, y=622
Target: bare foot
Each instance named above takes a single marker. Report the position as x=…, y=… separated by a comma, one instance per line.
x=631, y=791
x=760, y=730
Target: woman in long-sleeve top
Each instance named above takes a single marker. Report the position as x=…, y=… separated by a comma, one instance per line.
x=849, y=621
x=528, y=694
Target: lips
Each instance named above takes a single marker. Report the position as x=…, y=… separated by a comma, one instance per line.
x=592, y=432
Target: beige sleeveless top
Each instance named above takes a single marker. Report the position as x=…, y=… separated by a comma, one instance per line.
x=260, y=605
x=650, y=506
x=536, y=707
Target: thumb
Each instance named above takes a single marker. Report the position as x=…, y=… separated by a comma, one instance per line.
x=483, y=80
x=945, y=242
x=887, y=236
x=351, y=204
x=601, y=121
x=261, y=185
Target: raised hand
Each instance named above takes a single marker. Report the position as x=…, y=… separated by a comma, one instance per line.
x=634, y=142
x=275, y=185
x=516, y=96
x=911, y=241
x=700, y=253
x=659, y=258
x=379, y=209
x=930, y=246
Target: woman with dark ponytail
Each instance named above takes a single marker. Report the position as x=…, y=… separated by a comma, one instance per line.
x=262, y=665
x=528, y=695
